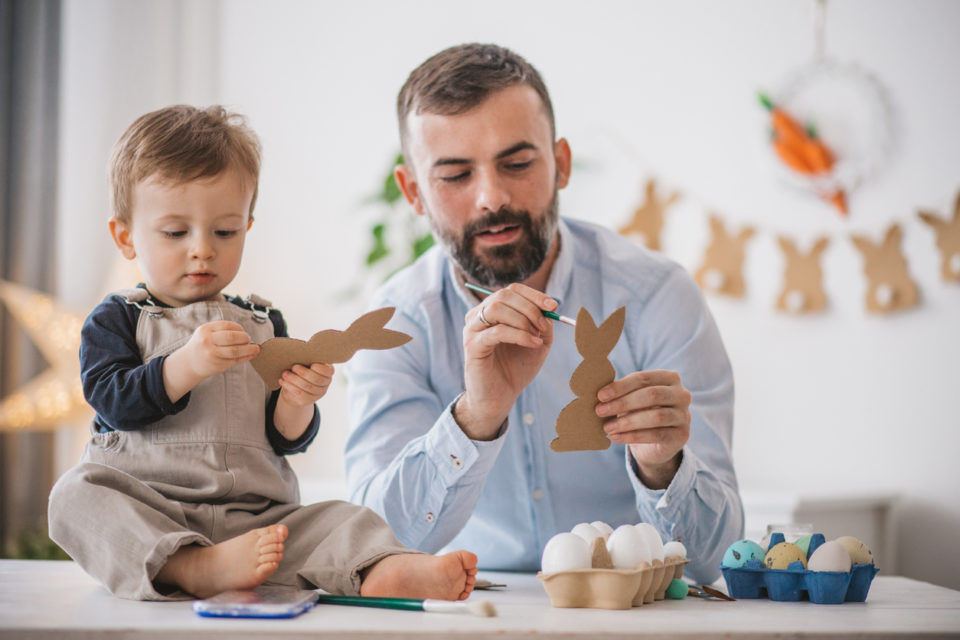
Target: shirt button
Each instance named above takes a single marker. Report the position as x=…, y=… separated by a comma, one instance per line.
x=429, y=516
x=528, y=418
x=537, y=494
x=457, y=462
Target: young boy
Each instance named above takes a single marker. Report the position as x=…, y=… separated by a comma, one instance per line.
x=183, y=489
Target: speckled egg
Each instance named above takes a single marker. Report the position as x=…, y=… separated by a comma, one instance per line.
x=830, y=556
x=859, y=552
x=675, y=549
x=781, y=555
x=741, y=552
x=627, y=547
x=565, y=552
x=652, y=538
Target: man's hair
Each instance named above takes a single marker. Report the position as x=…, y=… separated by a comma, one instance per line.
x=179, y=144
x=461, y=77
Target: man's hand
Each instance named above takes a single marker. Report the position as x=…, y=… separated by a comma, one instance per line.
x=213, y=347
x=649, y=411
x=505, y=341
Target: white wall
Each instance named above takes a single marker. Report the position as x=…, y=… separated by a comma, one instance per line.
x=841, y=403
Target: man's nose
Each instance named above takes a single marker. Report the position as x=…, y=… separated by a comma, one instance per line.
x=492, y=193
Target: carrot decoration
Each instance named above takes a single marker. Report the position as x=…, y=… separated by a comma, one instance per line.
x=802, y=150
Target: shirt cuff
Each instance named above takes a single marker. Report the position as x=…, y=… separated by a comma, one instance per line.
x=157, y=390
x=667, y=502
x=457, y=458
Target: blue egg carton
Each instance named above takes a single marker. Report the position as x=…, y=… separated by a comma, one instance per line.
x=795, y=583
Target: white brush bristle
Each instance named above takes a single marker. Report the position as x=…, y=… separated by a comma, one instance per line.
x=482, y=608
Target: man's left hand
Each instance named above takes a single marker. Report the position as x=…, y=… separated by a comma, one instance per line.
x=650, y=412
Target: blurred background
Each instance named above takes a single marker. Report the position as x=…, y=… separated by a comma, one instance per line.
x=846, y=420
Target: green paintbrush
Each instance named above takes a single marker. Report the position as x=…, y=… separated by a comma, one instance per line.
x=482, y=608
x=550, y=314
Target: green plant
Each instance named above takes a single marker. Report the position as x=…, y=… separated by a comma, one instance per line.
x=33, y=544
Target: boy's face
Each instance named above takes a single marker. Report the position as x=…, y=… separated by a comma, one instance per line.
x=187, y=238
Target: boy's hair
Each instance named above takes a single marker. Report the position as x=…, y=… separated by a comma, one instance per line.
x=461, y=77
x=181, y=143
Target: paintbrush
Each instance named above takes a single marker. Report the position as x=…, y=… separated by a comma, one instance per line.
x=482, y=608
x=550, y=314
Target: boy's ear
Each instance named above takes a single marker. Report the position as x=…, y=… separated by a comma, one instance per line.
x=407, y=182
x=120, y=231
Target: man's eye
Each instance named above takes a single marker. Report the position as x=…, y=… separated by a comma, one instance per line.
x=226, y=233
x=174, y=234
x=455, y=178
x=519, y=166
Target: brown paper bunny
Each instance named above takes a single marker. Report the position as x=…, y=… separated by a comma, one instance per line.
x=578, y=426
x=648, y=217
x=948, y=240
x=802, y=279
x=722, y=269
x=889, y=284
x=330, y=346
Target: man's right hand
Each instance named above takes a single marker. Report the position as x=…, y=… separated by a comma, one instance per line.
x=505, y=342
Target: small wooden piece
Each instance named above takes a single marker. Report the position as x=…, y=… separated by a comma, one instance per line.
x=802, y=290
x=890, y=287
x=722, y=269
x=330, y=346
x=578, y=426
x=948, y=240
x=649, y=216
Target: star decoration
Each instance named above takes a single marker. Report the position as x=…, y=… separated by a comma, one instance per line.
x=55, y=396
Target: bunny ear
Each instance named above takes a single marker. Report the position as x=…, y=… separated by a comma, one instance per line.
x=820, y=245
x=892, y=236
x=745, y=233
x=608, y=333
x=956, y=208
x=368, y=331
x=862, y=243
x=787, y=245
x=583, y=334
x=716, y=224
x=933, y=219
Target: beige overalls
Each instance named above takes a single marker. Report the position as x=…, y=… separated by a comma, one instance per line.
x=202, y=476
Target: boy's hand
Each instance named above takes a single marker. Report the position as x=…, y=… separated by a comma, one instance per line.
x=213, y=347
x=301, y=386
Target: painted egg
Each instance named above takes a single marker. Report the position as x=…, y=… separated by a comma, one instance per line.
x=859, y=552
x=741, y=552
x=652, y=538
x=781, y=555
x=627, y=547
x=564, y=552
x=804, y=543
x=675, y=549
x=587, y=531
x=602, y=527
x=830, y=556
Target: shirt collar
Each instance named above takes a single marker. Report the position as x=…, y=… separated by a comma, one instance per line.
x=558, y=284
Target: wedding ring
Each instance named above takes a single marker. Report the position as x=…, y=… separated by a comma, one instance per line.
x=480, y=317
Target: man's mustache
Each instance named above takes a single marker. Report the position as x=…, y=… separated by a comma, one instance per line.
x=501, y=217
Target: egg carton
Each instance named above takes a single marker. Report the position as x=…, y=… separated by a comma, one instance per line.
x=612, y=588
x=795, y=582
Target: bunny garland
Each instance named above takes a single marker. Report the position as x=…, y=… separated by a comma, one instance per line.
x=803, y=279
x=578, y=426
x=889, y=283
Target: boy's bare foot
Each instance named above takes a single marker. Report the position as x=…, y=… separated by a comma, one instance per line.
x=238, y=563
x=412, y=575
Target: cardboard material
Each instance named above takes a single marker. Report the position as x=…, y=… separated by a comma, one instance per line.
x=948, y=240
x=648, y=218
x=598, y=588
x=802, y=290
x=890, y=287
x=579, y=428
x=601, y=556
x=722, y=268
x=329, y=347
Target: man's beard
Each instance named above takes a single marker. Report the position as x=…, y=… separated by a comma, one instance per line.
x=501, y=265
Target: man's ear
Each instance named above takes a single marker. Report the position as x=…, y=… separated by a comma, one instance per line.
x=120, y=231
x=407, y=182
x=561, y=152
x=249, y=223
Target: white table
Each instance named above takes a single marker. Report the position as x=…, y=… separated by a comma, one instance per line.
x=57, y=600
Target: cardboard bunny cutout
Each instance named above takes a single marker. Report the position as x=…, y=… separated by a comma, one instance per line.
x=579, y=427
x=889, y=287
x=802, y=290
x=648, y=217
x=722, y=269
x=948, y=241
x=329, y=347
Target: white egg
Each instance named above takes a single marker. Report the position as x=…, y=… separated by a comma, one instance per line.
x=675, y=549
x=587, y=531
x=652, y=538
x=602, y=527
x=627, y=547
x=564, y=552
x=830, y=556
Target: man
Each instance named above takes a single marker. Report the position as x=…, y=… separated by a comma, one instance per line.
x=450, y=439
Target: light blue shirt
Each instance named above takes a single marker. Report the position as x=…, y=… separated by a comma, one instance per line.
x=408, y=460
